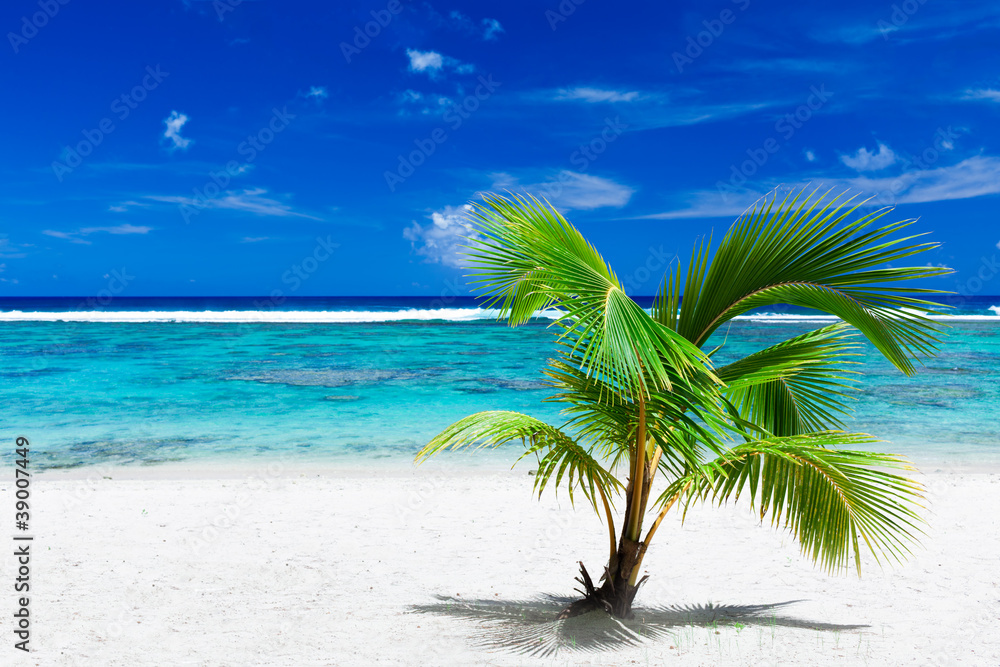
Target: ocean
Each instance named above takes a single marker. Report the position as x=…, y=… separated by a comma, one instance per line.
x=365, y=380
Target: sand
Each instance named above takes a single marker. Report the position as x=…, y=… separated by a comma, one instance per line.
x=444, y=565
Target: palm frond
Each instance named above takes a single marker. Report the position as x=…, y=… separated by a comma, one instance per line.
x=490, y=429
x=797, y=386
x=685, y=422
x=559, y=454
x=567, y=458
x=831, y=500
x=806, y=251
x=529, y=257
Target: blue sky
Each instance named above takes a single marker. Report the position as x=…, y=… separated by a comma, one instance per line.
x=211, y=148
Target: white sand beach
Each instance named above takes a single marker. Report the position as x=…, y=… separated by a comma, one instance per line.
x=444, y=566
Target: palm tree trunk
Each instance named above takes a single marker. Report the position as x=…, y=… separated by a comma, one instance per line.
x=616, y=594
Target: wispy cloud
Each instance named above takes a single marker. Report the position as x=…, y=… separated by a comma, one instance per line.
x=987, y=94
x=594, y=95
x=492, y=29
x=174, y=122
x=570, y=190
x=317, y=92
x=13, y=281
x=66, y=236
x=8, y=251
x=865, y=160
x=123, y=207
x=488, y=29
x=654, y=109
x=118, y=229
x=433, y=63
x=248, y=201
x=973, y=177
x=920, y=23
x=442, y=240
x=784, y=65
x=76, y=237
x=254, y=239
x=424, y=103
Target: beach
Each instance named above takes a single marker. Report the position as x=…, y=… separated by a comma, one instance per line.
x=272, y=562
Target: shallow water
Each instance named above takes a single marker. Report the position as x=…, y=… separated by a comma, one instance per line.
x=88, y=393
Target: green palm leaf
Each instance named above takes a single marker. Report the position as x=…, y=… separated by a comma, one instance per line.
x=797, y=386
x=559, y=454
x=806, y=251
x=530, y=258
x=830, y=499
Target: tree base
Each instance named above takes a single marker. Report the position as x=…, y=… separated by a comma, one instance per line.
x=614, y=599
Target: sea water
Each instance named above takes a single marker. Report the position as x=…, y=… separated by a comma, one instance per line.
x=365, y=380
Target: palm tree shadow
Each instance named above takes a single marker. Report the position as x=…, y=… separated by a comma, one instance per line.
x=529, y=626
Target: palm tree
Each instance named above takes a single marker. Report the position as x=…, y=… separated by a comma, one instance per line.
x=643, y=399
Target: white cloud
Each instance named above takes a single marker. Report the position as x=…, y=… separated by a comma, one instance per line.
x=594, y=95
x=433, y=63
x=421, y=61
x=810, y=156
x=174, y=122
x=442, y=241
x=119, y=229
x=254, y=239
x=319, y=92
x=75, y=237
x=248, y=201
x=988, y=94
x=864, y=160
x=492, y=29
x=570, y=190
